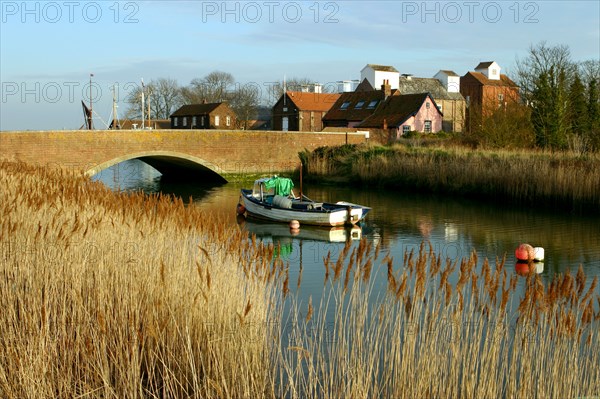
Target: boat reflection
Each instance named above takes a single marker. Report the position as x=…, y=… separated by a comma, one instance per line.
x=279, y=231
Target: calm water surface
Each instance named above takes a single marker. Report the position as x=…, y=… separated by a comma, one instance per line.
x=453, y=226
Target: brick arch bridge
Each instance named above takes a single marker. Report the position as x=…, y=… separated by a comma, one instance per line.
x=190, y=154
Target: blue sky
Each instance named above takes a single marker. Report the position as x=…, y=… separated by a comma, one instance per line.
x=49, y=48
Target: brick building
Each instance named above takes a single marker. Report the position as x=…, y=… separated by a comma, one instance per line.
x=302, y=111
x=204, y=116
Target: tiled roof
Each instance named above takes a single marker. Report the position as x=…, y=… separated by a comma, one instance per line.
x=196, y=109
x=383, y=68
x=427, y=85
x=481, y=78
x=364, y=86
x=350, y=112
x=312, y=101
x=483, y=65
x=396, y=110
x=449, y=73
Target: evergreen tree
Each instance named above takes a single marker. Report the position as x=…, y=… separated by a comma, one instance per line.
x=593, y=114
x=577, y=117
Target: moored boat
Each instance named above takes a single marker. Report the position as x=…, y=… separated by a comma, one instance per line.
x=274, y=199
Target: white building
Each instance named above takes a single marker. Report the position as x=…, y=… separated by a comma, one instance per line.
x=450, y=80
x=490, y=69
x=377, y=74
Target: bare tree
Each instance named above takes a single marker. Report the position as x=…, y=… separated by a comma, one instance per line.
x=589, y=70
x=214, y=87
x=245, y=101
x=163, y=95
x=541, y=60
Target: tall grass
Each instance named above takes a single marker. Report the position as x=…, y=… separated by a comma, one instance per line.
x=530, y=177
x=427, y=338
x=128, y=295
x=116, y=295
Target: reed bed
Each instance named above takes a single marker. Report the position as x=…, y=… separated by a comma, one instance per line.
x=529, y=177
x=129, y=295
x=126, y=295
x=423, y=337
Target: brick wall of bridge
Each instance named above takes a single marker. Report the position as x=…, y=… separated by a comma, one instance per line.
x=231, y=151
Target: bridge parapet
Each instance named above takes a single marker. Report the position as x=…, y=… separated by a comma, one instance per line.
x=220, y=151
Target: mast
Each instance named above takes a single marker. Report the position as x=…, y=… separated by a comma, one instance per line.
x=148, y=105
x=284, y=90
x=143, y=110
x=90, y=118
x=116, y=124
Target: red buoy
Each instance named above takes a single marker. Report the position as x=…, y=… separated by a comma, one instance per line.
x=524, y=252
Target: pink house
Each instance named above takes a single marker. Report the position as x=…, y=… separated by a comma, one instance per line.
x=406, y=113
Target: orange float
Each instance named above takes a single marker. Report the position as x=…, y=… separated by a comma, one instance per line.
x=524, y=252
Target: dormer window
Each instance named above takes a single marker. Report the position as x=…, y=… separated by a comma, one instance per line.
x=494, y=72
x=372, y=104
x=345, y=105
x=359, y=104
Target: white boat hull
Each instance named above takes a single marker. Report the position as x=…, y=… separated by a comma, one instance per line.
x=336, y=217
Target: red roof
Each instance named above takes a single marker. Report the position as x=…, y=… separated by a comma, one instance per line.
x=312, y=101
x=481, y=78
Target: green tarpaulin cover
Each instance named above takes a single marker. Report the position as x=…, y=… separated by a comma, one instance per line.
x=282, y=185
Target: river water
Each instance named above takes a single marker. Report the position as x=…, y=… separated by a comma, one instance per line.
x=399, y=222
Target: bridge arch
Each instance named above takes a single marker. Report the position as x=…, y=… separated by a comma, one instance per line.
x=172, y=165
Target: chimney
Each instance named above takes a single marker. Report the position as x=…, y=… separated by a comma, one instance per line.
x=386, y=89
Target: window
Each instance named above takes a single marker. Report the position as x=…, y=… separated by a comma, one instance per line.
x=427, y=105
x=216, y=120
x=202, y=120
x=501, y=97
x=228, y=120
x=427, y=127
x=175, y=121
x=405, y=129
x=359, y=104
x=345, y=105
x=194, y=121
x=185, y=121
x=284, y=109
x=494, y=72
x=372, y=104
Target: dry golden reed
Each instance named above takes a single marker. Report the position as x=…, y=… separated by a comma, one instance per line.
x=108, y=295
x=525, y=176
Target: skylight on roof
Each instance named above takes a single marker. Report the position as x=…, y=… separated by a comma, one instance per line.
x=345, y=105
x=372, y=104
x=359, y=104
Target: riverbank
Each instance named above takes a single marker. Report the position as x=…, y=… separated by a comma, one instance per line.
x=108, y=294
x=567, y=182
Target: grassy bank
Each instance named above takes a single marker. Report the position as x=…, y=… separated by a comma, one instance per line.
x=563, y=180
x=107, y=295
